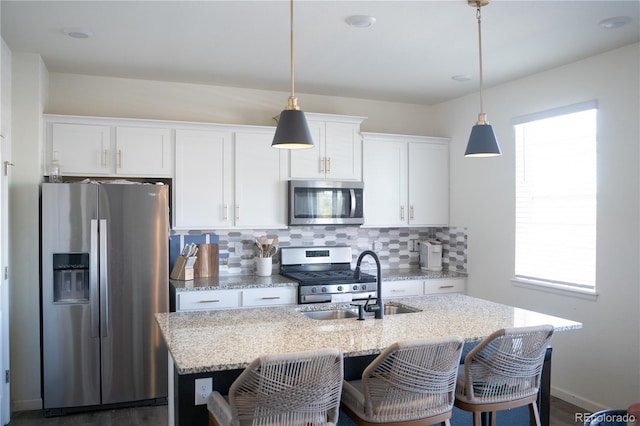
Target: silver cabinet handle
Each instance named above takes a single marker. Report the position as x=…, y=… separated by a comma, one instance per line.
x=226, y=212
x=105, y=159
x=328, y=164
x=209, y=301
x=237, y=212
x=411, y=212
x=104, y=279
x=119, y=158
x=446, y=286
x=322, y=163
x=94, y=298
x=270, y=297
x=401, y=212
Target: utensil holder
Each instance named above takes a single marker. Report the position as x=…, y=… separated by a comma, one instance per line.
x=264, y=266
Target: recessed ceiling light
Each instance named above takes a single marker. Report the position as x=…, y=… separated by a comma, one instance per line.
x=615, y=22
x=360, y=21
x=461, y=77
x=77, y=32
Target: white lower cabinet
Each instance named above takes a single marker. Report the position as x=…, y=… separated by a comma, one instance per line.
x=269, y=296
x=401, y=288
x=235, y=298
x=207, y=300
x=445, y=285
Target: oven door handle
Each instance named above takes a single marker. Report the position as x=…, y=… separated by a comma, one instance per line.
x=353, y=202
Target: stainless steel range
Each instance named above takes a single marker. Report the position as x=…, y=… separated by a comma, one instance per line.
x=324, y=274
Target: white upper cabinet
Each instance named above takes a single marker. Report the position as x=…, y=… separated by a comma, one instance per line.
x=260, y=183
x=229, y=178
x=143, y=151
x=203, y=179
x=337, y=150
x=81, y=149
x=406, y=180
x=108, y=147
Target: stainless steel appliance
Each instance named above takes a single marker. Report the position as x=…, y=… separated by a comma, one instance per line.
x=104, y=274
x=325, y=203
x=324, y=274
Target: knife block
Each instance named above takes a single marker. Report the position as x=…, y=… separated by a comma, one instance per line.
x=208, y=261
x=183, y=269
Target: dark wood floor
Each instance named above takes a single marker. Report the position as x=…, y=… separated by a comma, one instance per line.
x=562, y=414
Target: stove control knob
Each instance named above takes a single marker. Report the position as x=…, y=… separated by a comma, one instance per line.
x=339, y=288
x=355, y=287
x=324, y=289
x=313, y=289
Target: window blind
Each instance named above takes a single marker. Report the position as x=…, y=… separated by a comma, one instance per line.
x=556, y=197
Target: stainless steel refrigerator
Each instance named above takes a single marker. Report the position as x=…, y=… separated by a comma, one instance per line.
x=104, y=274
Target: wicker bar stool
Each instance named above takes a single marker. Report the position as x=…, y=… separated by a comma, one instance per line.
x=290, y=389
x=410, y=383
x=503, y=371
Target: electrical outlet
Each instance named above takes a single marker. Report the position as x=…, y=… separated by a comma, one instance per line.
x=377, y=246
x=204, y=387
x=238, y=248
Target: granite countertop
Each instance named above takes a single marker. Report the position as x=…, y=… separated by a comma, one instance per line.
x=206, y=341
x=276, y=280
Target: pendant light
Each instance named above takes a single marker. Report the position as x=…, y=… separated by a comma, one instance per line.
x=482, y=142
x=292, y=131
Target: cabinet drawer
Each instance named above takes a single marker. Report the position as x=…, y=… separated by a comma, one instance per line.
x=269, y=296
x=448, y=285
x=402, y=288
x=203, y=300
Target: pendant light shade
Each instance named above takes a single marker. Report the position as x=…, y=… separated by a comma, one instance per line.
x=482, y=142
x=292, y=131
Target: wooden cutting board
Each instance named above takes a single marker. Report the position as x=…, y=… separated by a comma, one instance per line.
x=207, y=262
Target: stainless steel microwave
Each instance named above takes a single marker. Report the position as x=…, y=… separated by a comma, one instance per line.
x=325, y=203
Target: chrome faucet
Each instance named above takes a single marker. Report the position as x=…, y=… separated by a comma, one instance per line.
x=378, y=307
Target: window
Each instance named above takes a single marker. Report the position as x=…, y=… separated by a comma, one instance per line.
x=556, y=198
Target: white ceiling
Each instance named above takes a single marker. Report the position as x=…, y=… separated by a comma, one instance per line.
x=409, y=55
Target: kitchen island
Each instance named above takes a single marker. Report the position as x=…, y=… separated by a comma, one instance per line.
x=221, y=343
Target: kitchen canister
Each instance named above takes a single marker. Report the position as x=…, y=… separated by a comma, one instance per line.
x=263, y=266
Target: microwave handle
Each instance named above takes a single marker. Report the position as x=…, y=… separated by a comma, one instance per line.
x=353, y=202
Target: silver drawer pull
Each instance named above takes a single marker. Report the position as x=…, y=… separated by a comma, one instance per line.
x=399, y=290
x=271, y=298
x=208, y=301
x=446, y=286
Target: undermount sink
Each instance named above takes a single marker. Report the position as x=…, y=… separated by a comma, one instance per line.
x=332, y=314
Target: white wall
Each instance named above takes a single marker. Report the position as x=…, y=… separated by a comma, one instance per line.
x=117, y=97
x=29, y=77
x=597, y=366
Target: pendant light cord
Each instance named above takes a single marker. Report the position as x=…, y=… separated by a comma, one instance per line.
x=293, y=102
x=481, y=116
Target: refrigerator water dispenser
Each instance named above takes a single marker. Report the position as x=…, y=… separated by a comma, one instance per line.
x=70, y=277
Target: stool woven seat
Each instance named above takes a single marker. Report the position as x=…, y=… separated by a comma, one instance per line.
x=409, y=383
x=290, y=389
x=503, y=371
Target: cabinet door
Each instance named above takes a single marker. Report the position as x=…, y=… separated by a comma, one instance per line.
x=343, y=151
x=260, y=189
x=203, y=179
x=143, y=151
x=269, y=296
x=385, y=183
x=445, y=285
x=308, y=163
x=82, y=149
x=401, y=288
x=428, y=184
x=206, y=300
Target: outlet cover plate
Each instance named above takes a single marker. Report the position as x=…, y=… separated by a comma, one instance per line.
x=203, y=388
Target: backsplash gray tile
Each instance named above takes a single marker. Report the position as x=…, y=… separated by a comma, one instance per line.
x=238, y=248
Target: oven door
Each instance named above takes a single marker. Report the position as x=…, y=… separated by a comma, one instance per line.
x=325, y=203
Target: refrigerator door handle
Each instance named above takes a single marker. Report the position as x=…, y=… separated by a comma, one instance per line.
x=104, y=281
x=93, y=281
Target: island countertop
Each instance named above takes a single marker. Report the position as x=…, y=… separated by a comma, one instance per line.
x=207, y=341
